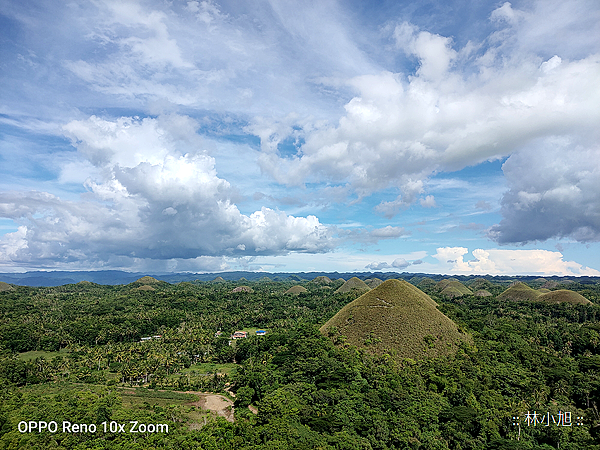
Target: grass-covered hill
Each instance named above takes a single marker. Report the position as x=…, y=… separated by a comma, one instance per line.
x=373, y=282
x=480, y=284
x=564, y=296
x=396, y=318
x=296, y=290
x=322, y=280
x=147, y=280
x=242, y=289
x=5, y=287
x=519, y=292
x=354, y=284
x=482, y=293
x=453, y=289
x=145, y=287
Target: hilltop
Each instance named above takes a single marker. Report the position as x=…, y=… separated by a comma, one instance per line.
x=243, y=289
x=353, y=284
x=396, y=318
x=564, y=296
x=296, y=290
x=147, y=280
x=4, y=287
x=322, y=280
x=373, y=282
x=518, y=292
x=453, y=288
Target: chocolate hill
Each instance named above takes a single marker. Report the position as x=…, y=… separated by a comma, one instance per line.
x=5, y=287
x=396, y=318
x=147, y=280
x=296, y=290
x=353, y=284
x=564, y=296
x=518, y=292
x=242, y=289
x=373, y=282
x=322, y=280
x=452, y=288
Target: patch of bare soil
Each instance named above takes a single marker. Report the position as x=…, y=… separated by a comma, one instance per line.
x=216, y=404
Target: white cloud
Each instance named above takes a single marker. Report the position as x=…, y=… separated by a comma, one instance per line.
x=400, y=263
x=451, y=113
x=388, y=232
x=434, y=52
x=428, y=202
x=508, y=262
x=158, y=197
x=554, y=191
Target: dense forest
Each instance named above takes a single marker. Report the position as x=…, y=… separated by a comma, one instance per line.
x=528, y=378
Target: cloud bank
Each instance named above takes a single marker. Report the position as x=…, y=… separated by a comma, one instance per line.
x=158, y=197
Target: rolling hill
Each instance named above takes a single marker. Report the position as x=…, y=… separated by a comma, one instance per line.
x=296, y=290
x=564, y=296
x=4, y=287
x=399, y=319
x=518, y=292
x=353, y=284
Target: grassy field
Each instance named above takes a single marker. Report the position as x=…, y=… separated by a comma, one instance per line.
x=30, y=356
x=132, y=399
x=206, y=368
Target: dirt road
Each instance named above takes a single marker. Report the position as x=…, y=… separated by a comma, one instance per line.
x=217, y=404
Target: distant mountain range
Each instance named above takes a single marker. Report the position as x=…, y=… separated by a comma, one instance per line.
x=112, y=277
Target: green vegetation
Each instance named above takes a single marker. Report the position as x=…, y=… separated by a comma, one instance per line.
x=76, y=353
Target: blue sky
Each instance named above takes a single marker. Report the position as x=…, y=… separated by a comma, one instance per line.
x=456, y=137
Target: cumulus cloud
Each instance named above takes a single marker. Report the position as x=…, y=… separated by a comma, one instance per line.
x=552, y=196
x=508, y=262
x=400, y=263
x=158, y=198
x=457, y=109
x=371, y=237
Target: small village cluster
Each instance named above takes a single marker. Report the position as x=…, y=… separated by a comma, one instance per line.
x=149, y=338
x=244, y=334
x=241, y=334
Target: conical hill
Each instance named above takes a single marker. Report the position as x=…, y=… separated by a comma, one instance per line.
x=4, y=287
x=479, y=284
x=147, y=280
x=564, y=296
x=373, y=282
x=454, y=288
x=242, y=289
x=443, y=284
x=296, y=290
x=482, y=293
x=322, y=280
x=396, y=318
x=519, y=291
x=353, y=284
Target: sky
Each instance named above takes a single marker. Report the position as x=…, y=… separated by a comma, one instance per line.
x=442, y=136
